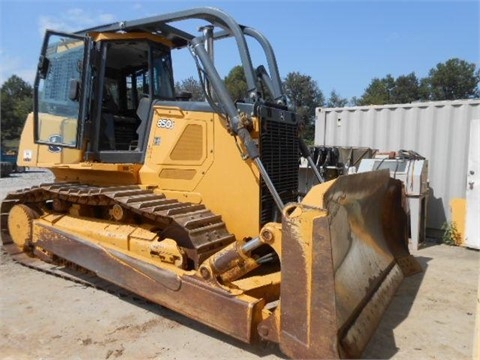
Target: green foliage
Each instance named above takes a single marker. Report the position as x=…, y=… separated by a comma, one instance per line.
x=354, y=101
x=379, y=92
x=16, y=103
x=388, y=90
x=10, y=144
x=454, y=79
x=236, y=83
x=305, y=95
x=406, y=89
x=192, y=86
x=424, y=89
x=451, y=236
x=335, y=100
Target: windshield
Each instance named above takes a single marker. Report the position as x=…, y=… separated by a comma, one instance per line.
x=56, y=113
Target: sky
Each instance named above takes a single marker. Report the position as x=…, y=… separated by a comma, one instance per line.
x=342, y=45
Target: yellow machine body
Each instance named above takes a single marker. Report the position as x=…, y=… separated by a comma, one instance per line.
x=184, y=163
x=197, y=209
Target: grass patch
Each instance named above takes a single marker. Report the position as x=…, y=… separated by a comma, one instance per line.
x=451, y=235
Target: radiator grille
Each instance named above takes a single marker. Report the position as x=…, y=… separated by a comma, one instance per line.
x=279, y=153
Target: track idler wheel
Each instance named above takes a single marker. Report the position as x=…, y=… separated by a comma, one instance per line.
x=20, y=225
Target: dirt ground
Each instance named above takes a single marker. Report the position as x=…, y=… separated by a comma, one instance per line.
x=432, y=316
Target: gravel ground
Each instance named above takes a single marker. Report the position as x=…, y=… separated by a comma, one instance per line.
x=34, y=176
x=432, y=316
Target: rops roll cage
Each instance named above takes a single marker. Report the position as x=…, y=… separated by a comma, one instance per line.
x=230, y=28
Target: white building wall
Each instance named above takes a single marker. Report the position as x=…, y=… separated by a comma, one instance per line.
x=439, y=131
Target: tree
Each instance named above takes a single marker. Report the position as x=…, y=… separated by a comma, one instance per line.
x=424, y=89
x=379, y=92
x=354, y=101
x=335, y=100
x=454, y=79
x=406, y=90
x=402, y=90
x=16, y=103
x=192, y=86
x=305, y=95
x=236, y=83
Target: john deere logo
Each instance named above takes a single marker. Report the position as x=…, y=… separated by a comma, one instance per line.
x=55, y=139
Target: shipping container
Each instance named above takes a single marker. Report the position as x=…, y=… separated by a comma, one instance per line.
x=439, y=131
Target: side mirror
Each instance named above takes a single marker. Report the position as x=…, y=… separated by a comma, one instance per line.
x=74, y=90
x=43, y=66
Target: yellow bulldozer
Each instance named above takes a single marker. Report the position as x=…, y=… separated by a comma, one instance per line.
x=194, y=205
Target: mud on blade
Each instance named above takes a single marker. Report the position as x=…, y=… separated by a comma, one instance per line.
x=346, y=247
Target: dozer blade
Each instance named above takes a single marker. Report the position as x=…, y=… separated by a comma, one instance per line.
x=344, y=254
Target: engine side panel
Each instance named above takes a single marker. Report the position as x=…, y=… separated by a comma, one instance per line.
x=191, y=156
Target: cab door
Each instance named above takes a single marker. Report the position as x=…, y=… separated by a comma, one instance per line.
x=59, y=104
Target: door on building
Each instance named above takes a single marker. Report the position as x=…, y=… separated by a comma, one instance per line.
x=473, y=188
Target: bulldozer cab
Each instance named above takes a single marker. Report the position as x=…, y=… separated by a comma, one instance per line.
x=105, y=101
x=88, y=90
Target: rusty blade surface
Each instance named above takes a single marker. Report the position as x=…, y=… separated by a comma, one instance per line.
x=348, y=261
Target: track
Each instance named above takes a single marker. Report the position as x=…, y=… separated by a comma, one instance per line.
x=199, y=226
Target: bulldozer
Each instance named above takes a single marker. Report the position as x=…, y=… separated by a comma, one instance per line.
x=194, y=205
